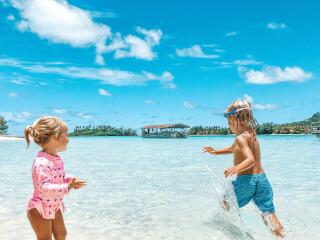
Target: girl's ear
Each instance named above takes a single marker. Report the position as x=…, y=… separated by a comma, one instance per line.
x=56, y=137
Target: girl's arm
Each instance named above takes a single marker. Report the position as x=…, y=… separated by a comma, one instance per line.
x=226, y=150
x=247, y=163
x=42, y=181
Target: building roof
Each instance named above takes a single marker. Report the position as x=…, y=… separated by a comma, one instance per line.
x=164, y=126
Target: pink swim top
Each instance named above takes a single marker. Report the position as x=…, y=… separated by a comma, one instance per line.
x=50, y=185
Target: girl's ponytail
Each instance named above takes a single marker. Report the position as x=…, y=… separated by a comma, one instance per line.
x=27, y=133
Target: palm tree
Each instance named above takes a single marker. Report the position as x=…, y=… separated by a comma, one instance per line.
x=3, y=125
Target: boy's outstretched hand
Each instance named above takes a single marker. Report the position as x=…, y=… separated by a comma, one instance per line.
x=76, y=184
x=209, y=150
x=230, y=171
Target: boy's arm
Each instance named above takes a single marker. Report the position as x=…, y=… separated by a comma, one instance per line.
x=225, y=150
x=248, y=162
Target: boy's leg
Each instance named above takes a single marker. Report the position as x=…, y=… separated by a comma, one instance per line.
x=263, y=198
x=274, y=224
x=58, y=228
x=40, y=225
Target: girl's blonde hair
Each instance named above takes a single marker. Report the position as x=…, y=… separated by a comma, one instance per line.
x=44, y=128
x=243, y=114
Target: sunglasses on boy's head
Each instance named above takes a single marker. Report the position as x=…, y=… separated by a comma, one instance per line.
x=234, y=112
x=231, y=113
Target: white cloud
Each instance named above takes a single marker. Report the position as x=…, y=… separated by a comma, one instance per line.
x=13, y=95
x=60, y=22
x=265, y=106
x=99, y=59
x=195, y=52
x=104, y=92
x=135, y=47
x=166, y=79
x=20, y=80
x=84, y=116
x=103, y=14
x=60, y=111
x=149, y=102
x=239, y=62
x=276, y=26
x=16, y=116
x=248, y=98
x=244, y=62
x=105, y=75
x=257, y=106
x=189, y=105
x=231, y=34
x=273, y=74
x=153, y=36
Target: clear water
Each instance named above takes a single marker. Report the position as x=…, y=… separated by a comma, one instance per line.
x=165, y=189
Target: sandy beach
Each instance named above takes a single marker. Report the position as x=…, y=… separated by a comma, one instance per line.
x=9, y=138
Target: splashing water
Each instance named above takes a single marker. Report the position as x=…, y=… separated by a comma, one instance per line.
x=228, y=218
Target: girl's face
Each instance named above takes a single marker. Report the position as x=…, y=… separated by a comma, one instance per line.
x=58, y=143
x=63, y=141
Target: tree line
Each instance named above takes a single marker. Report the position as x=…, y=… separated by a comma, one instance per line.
x=102, y=130
x=301, y=127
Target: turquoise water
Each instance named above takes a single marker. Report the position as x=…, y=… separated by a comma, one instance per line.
x=165, y=189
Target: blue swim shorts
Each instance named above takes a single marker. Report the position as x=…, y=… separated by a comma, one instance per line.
x=254, y=187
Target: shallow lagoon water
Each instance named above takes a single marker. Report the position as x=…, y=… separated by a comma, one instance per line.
x=164, y=189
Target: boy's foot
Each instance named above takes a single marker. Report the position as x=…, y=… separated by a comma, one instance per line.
x=225, y=205
x=274, y=224
x=278, y=231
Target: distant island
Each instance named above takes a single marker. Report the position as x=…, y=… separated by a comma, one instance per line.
x=102, y=130
x=301, y=127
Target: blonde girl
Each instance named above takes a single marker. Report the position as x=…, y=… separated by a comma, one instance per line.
x=50, y=181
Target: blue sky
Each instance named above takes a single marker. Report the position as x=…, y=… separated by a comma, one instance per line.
x=132, y=63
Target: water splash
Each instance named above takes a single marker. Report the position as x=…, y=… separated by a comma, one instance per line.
x=228, y=218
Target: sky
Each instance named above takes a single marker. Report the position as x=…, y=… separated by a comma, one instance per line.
x=134, y=63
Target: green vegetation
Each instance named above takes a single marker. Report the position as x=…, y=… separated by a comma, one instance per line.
x=301, y=127
x=216, y=130
x=3, y=125
x=102, y=130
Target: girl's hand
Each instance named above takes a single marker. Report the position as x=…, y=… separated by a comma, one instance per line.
x=209, y=150
x=230, y=171
x=76, y=184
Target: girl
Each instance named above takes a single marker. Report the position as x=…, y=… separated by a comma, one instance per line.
x=251, y=182
x=50, y=182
